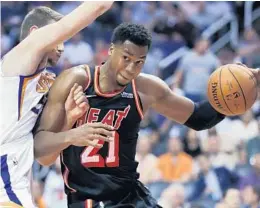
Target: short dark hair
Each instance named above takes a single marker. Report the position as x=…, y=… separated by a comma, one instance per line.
x=39, y=16
x=135, y=33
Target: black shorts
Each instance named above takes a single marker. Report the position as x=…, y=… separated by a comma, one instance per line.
x=139, y=197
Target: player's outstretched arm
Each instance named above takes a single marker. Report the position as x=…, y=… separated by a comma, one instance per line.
x=31, y=50
x=48, y=143
x=198, y=116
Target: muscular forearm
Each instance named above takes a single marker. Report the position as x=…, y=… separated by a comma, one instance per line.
x=46, y=143
x=50, y=158
x=68, y=124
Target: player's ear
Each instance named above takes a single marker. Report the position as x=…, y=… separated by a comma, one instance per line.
x=33, y=28
x=111, y=49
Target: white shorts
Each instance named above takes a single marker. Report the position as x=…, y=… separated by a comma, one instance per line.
x=16, y=163
x=21, y=197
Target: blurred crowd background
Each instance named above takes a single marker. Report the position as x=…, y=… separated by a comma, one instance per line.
x=219, y=167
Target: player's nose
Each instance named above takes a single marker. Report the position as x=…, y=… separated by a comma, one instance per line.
x=130, y=68
x=60, y=48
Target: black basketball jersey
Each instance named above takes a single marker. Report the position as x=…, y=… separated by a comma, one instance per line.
x=108, y=172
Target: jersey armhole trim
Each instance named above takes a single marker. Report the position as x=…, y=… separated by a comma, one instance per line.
x=24, y=80
x=137, y=100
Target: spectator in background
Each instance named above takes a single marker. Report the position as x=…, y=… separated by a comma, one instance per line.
x=173, y=197
x=164, y=23
x=232, y=199
x=253, y=178
x=253, y=144
x=212, y=182
x=101, y=49
x=246, y=127
x=152, y=61
x=127, y=14
x=145, y=13
x=77, y=51
x=249, y=47
x=203, y=17
x=220, y=155
x=228, y=56
x=251, y=196
x=6, y=42
x=185, y=28
x=54, y=195
x=66, y=7
x=175, y=165
x=194, y=70
x=192, y=143
x=256, y=107
x=147, y=166
x=149, y=126
x=242, y=167
x=37, y=187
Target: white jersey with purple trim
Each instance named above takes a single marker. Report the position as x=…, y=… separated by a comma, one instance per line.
x=20, y=105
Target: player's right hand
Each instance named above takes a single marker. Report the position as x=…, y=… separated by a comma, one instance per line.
x=90, y=133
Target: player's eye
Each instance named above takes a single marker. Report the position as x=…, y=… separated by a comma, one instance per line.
x=126, y=58
x=140, y=62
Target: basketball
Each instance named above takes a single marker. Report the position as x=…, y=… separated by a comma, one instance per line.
x=232, y=89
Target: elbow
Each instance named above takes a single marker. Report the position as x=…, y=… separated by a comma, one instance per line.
x=200, y=127
x=45, y=162
x=104, y=6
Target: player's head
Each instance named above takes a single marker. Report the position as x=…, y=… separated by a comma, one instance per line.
x=128, y=50
x=37, y=18
x=55, y=54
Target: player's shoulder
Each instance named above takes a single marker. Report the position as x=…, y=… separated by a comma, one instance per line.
x=151, y=85
x=148, y=79
x=80, y=70
x=77, y=74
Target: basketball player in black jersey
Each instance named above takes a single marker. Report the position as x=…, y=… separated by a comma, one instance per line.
x=118, y=95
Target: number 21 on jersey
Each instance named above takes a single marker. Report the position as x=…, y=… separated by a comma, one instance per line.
x=90, y=157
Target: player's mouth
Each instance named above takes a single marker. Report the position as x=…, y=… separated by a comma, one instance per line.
x=124, y=77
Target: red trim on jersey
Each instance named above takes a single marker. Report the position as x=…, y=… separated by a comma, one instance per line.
x=97, y=88
x=88, y=203
x=66, y=174
x=137, y=102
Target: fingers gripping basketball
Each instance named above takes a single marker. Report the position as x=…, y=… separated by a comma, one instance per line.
x=232, y=89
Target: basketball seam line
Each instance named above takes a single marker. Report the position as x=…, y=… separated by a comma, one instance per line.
x=251, y=75
x=239, y=87
x=222, y=92
x=253, y=78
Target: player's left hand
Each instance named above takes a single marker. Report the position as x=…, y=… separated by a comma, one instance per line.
x=256, y=73
x=76, y=104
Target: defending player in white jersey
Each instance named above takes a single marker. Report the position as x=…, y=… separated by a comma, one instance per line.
x=24, y=81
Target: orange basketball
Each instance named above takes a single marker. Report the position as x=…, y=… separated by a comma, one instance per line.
x=232, y=89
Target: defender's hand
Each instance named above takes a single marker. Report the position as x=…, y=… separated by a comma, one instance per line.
x=90, y=133
x=76, y=104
